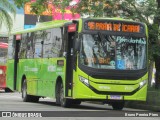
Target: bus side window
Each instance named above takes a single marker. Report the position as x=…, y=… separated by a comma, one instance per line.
x=23, y=46
x=30, y=45
x=38, y=50
x=56, y=41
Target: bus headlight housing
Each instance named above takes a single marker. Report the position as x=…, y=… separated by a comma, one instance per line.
x=142, y=83
x=84, y=80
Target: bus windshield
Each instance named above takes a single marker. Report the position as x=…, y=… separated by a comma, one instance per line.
x=105, y=51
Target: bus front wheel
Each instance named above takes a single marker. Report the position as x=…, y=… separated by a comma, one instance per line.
x=64, y=101
x=118, y=105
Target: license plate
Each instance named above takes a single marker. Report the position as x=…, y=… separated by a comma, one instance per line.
x=116, y=97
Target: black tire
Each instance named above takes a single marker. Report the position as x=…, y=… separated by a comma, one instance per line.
x=64, y=101
x=118, y=105
x=25, y=96
x=8, y=90
x=57, y=93
x=76, y=102
x=34, y=99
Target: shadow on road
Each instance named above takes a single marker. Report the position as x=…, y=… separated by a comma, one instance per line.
x=82, y=106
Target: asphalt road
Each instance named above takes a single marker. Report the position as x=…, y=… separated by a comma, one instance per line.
x=12, y=104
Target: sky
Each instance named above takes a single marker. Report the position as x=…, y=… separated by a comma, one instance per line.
x=19, y=11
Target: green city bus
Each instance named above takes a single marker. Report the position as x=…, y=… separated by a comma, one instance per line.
x=89, y=59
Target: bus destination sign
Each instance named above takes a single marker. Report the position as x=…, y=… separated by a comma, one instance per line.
x=113, y=26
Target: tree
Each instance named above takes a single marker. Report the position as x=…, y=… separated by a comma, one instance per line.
x=61, y=5
x=40, y=6
x=156, y=46
x=139, y=11
x=21, y=3
x=5, y=18
x=91, y=8
x=37, y=6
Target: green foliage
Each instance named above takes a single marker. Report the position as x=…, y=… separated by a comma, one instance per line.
x=5, y=17
x=62, y=5
x=39, y=7
x=93, y=8
x=145, y=11
x=131, y=9
x=20, y=3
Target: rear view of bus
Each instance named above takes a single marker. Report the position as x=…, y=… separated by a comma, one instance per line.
x=112, y=61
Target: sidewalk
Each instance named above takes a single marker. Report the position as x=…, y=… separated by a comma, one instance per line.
x=152, y=103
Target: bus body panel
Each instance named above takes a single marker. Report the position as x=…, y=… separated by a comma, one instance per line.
x=103, y=88
x=41, y=75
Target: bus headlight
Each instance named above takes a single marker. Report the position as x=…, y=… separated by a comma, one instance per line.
x=84, y=80
x=142, y=83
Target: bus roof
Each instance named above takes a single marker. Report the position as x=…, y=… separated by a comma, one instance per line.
x=43, y=26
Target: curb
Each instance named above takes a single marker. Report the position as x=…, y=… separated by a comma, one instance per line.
x=152, y=103
x=144, y=107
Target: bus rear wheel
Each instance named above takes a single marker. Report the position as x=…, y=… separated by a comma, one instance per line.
x=118, y=105
x=8, y=90
x=25, y=96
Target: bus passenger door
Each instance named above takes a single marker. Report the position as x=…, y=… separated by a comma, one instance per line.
x=17, y=39
x=69, y=64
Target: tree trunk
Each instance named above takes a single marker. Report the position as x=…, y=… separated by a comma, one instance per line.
x=150, y=73
x=157, y=66
x=158, y=1
x=38, y=18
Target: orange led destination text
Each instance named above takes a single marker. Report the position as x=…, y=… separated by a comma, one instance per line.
x=130, y=28
x=99, y=60
x=113, y=27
